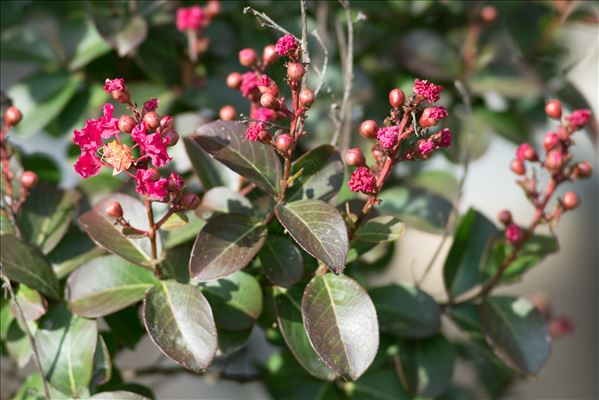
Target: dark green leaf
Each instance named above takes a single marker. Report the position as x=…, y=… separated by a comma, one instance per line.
x=126, y=327
x=105, y=285
x=17, y=343
x=341, y=323
x=44, y=165
x=179, y=321
x=517, y=332
x=406, y=311
x=426, y=53
x=176, y=263
x=33, y=389
x=102, y=364
x=231, y=341
x=224, y=200
x=225, y=141
x=185, y=233
x=24, y=264
x=381, y=229
x=86, y=44
x=318, y=228
x=124, y=34
x=226, y=244
x=31, y=302
x=210, y=173
x=281, y=261
x=439, y=182
x=379, y=385
x=74, y=249
x=467, y=317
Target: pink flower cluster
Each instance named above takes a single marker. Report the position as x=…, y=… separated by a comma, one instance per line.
x=190, y=18
x=254, y=130
x=427, y=90
x=579, y=118
x=438, y=113
x=388, y=136
x=363, y=180
x=286, y=45
x=112, y=85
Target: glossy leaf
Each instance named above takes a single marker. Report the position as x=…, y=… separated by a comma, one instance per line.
x=406, y=311
x=179, y=321
x=517, y=332
x=46, y=215
x=321, y=175
x=381, y=229
x=319, y=229
x=31, y=302
x=341, y=323
x=105, y=285
x=18, y=344
x=102, y=229
x=231, y=341
x=225, y=245
x=379, y=385
x=224, y=200
x=236, y=300
x=24, y=264
x=124, y=34
x=225, y=141
x=74, y=249
x=175, y=221
x=102, y=364
x=467, y=256
x=33, y=389
x=210, y=173
x=281, y=261
x=289, y=319
x=66, y=344
x=126, y=327
x=89, y=44
x=185, y=233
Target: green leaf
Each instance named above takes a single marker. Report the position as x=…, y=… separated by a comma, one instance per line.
x=124, y=33
x=102, y=364
x=439, y=182
x=236, y=300
x=517, y=332
x=507, y=80
x=224, y=200
x=426, y=53
x=84, y=41
x=31, y=302
x=281, y=261
x=426, y=365
x=25, y=264
x=66, y=344
x=33, y=389
x=468, y=254
x=118, y=395
x=379, y=385
x=41, y=98
x=289, y=318
x=321, y=176
x=185, y=233
x=210, y=173
x=74, y=249
x=406, y=311
x=18, y=344
x=103, y=230
x=44, y=165
x=381, y=229
x=231, y=341
x=22, y=43
x=467, y=317
x=46, y=215
x=175, y=221
x=225, y=245
x=341, y=323
x=318, y=228
x=105, y=285
x=225, y=141
x=179, y=321
x=126, y=327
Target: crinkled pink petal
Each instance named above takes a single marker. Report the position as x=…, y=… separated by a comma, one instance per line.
x=286, y=44
x=428, y=90
x=88, y=164
x=362, y=180
x=388, y=136
x=112, y=85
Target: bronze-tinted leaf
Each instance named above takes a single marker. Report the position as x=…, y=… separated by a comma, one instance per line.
x=281, y=261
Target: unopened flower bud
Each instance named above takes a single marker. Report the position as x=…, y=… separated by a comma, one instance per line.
x=550, y=141
x=269, y=55
x=368, y=129
x=488, y=14
x=151, y=120
x=295, y=71
x=355, y=157
x=283, y=142
x=121, y=96
x=264, y=136
x=29, y=179
x=167, y=122
x=513, y=233
x=153, y=175
x=173, y=138
x=227, y=113
x=560, y=326
x=570, y=201
x=553, y=109
x=396, y=98
x=267, y=100
x=126, y=124
x=554, y=161
x=212, y=8
x=234, y=80
x=12, y=116
x=584, y=169
x=114, y=209
x=306, y=98
x=526, y=152
x=505, y=217
x=189, y=201
x=248, y=57
x=518, y=167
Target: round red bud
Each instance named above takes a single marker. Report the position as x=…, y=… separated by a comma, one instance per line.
x=234, y=80
x=530, y=154
x=505, y=217
x=12, y=116
x=227, y=113
x=550, y=141
x=173, y=138
x=151, y=120
x=396, y=98
x=126, y=123
x=584, y=169
x=570, y=201
x=355, y=157
x=268, y=100
x=248, y=57
x=283, y=142
x=167, y=122
x=425, y=120
x=306, y=98
x=553, y=109
x=121, y=96
x=212, y=8
x=264, y=136
x=518, y=167
x=189, y=201
x=368, y=129
x=114, y=209
x=554, y=161
x=29, y=179
x=488, y=14
x=295, y=71
x=269, y=55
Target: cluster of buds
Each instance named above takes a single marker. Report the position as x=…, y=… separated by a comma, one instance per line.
x=191, y=21
x=138, y=153
x=28, y=179
x=558, y=164
x=559, y=325
x=266, y=105
x=406, y=134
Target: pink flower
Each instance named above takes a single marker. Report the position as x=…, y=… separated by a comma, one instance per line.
x=175, y=182
x=428, y=90
x=112, y=85
x=445, y=137
x=151, y=105
x=253, y=131
x=285, y=45
x=190, y=18
x=388, y=136
x=363, y=180
x=524, y=151
x=513, y=233
x=263, y=114
x=249, y=83
x=154, y=145
x=88, y=164
x=89, y=138
x=438, y=113
x=149, y=186
x=107, y=124
x=578, y=118
x=425, y=147
x=264, y=81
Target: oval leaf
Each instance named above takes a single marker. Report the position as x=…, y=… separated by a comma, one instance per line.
x=225, y=245
x=281, y=261
x=106, y=285
x=210, y=172
x=102, y=364
x=179, y=321
x=224, y=200
x=406, y=311
x=341, y=323
x=31, y=302
x=102, y=229
x=381, y=229
x=319, y=229
x=517, y=332
x=321, y=177
x=225, y=141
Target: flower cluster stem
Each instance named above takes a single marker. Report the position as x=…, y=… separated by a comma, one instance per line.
x=152, y=236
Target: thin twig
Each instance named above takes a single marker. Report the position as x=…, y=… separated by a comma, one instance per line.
x=265, y=21
x=323, y=70
x=305, y=53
